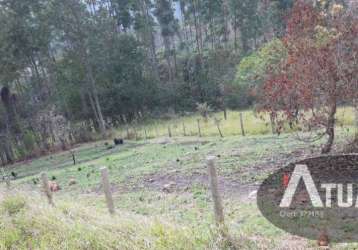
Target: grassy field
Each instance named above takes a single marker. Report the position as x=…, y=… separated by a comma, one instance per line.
x=254, y=124
x=160, y=188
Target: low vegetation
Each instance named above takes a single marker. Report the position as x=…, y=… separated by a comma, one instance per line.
x=149, y=89
x=254, y=124
x=160, y=189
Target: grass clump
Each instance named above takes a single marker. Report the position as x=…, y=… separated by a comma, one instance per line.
x=13, y=205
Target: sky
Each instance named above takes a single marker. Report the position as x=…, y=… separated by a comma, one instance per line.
x=177, y=10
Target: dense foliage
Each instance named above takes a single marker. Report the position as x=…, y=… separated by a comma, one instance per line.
x=72, y=67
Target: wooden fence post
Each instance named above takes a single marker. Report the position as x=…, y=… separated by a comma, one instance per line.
x=169, y=131
x=8, y=183
x=46, y=188
x=273, y=125
x=107, y=190
x=213, y=178
x=135, y=133
x=6, y=178
x=218, y=127
x=73, y=157
x=242, y=125
x=184, y=129
x=217, y=123
x=127, y=129
x=199, y=130
x=145, y=133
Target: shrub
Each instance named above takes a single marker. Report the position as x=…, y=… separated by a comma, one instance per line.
x=29, y=141
x=203, y=109
x=13, y=205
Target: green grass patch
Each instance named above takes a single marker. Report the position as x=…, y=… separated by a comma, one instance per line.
x=147, y=217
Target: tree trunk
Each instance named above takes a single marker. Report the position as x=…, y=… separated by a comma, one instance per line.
x=96, y=106
x=175, y=60
x=102, y=125
x=244, y=42
x=330, y=130
x=355, y=106
x=150, y=38
x=356, y=122
x=83, y=54
x=2, y=158
x=84, y=103
x=6, y=147
x=167, y=48
x=226, y=25
x=35, y=69
x=95, y=113
x=235, y=34
x=5, y=138
x=8, y=152
x=197, y=30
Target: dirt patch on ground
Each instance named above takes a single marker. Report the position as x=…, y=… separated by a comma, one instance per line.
x=294, y=243
x=113, y=187
x=175, y=180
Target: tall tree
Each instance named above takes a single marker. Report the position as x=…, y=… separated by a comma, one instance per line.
x=75, y=22
x=144, y=25
x=169, y=27
x=246, y=23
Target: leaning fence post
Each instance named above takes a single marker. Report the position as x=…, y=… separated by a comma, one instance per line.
x=217, y=123
x=73, y=157
x=47, y=189
x=7, y=181
x=242, y=125
x=213, y=178
x=107, y=190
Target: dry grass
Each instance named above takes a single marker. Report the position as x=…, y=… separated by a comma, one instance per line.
x=254, y=124
x=26, y=222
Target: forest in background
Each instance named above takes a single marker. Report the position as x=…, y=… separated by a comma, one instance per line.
x=72, y=68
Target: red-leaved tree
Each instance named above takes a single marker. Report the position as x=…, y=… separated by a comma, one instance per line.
x=320, y=71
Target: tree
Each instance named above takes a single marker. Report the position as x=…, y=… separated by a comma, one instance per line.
x=246, y=21
x=320, y=68
x=252, y=69
x=90, y=62
x=277, y=14
x=169, y=27
x=75, y=22
x=144, y=25
x=121, y=10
